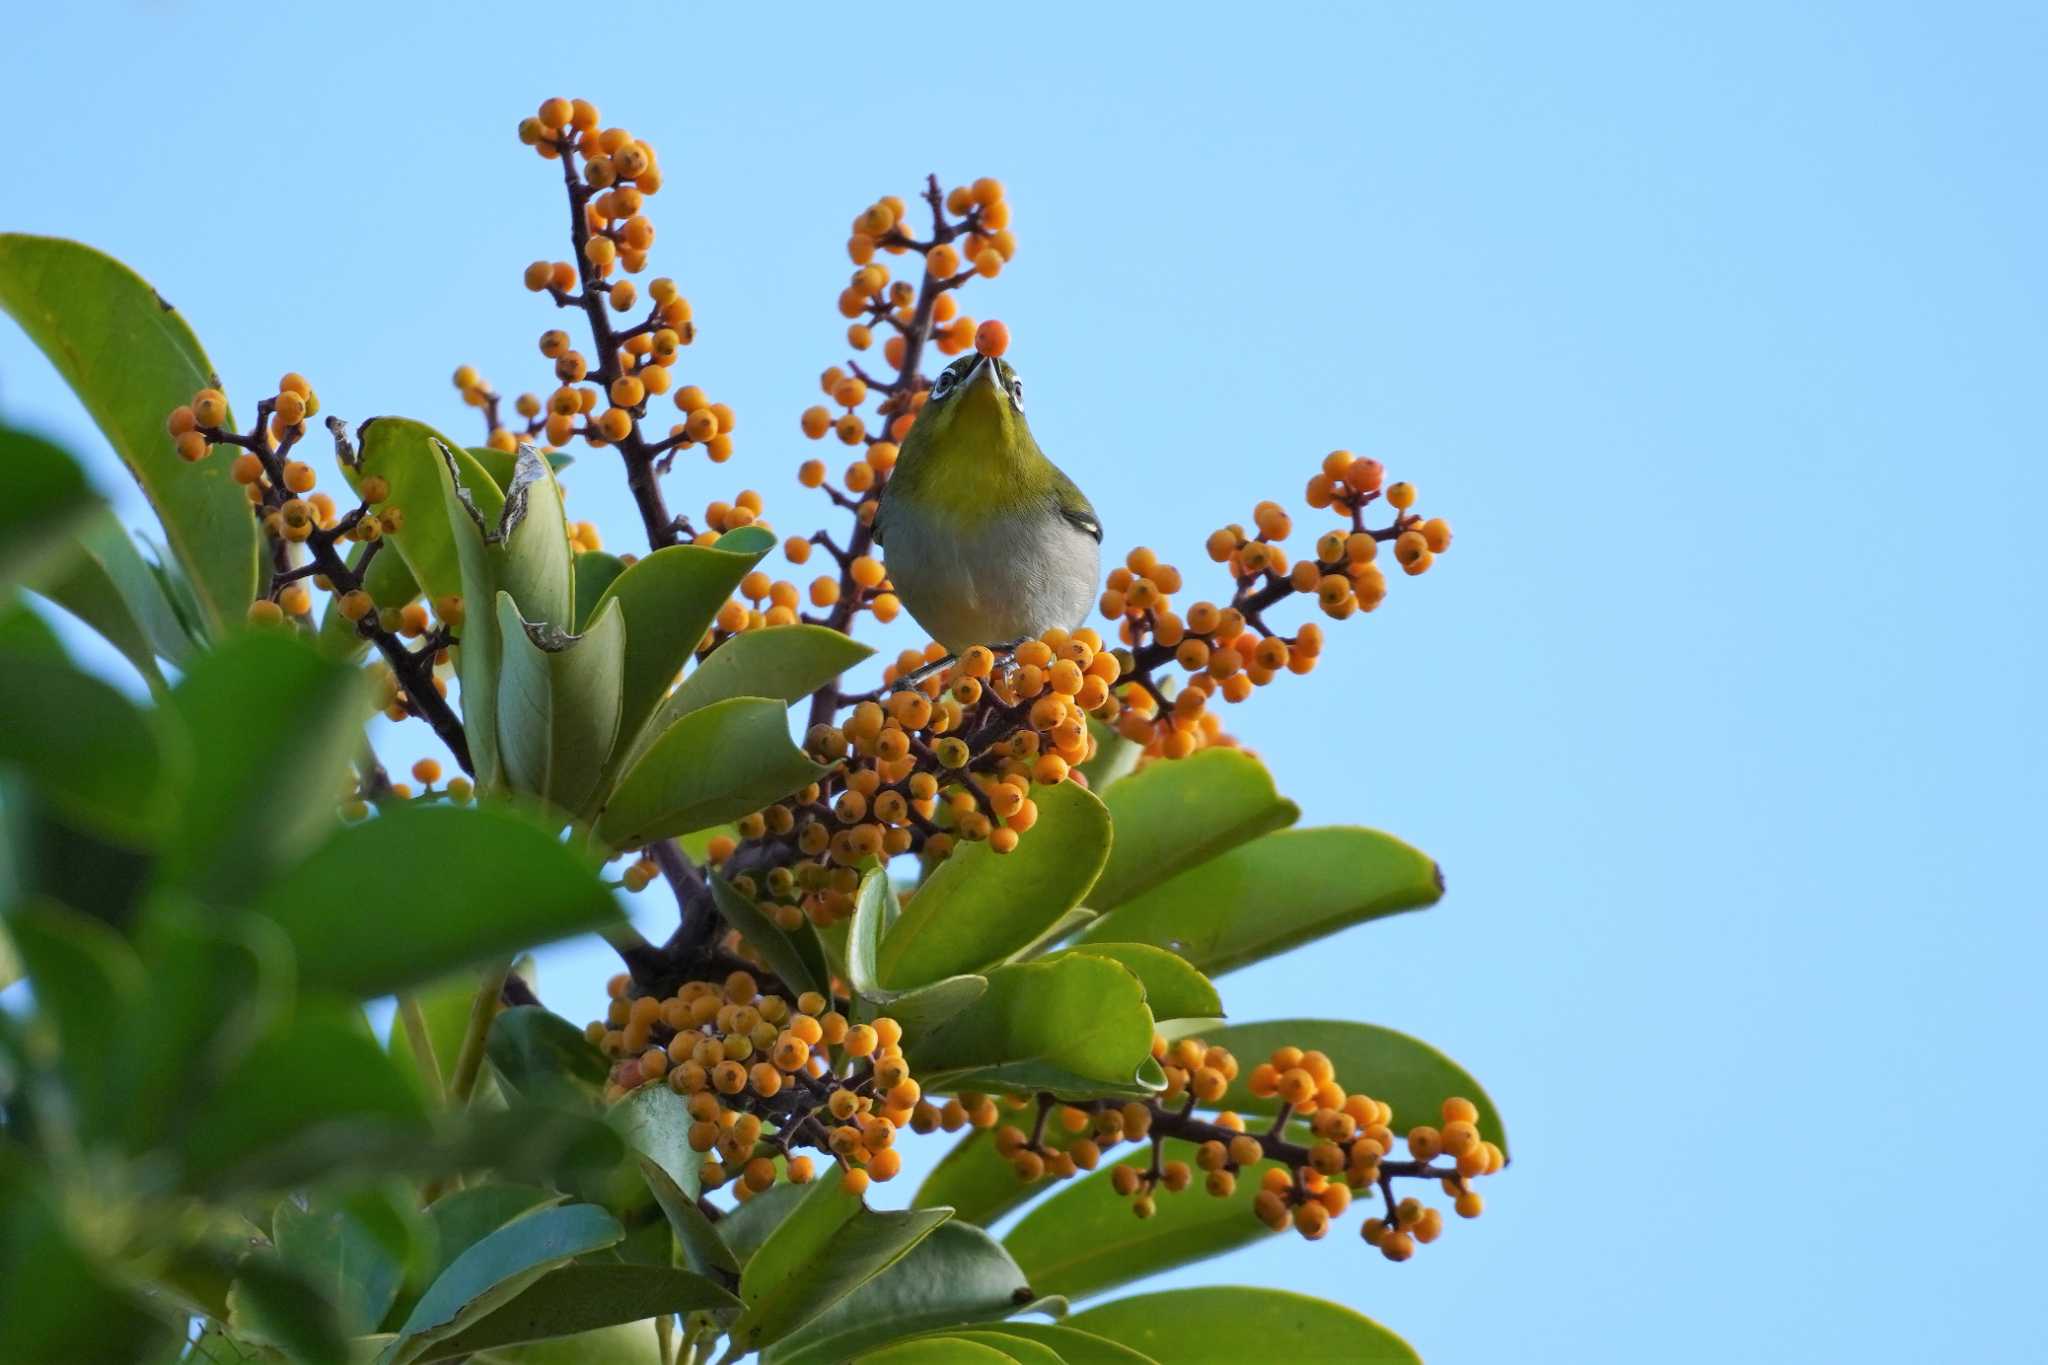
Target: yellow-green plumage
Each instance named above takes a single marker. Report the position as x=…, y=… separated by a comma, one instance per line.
x=985, y=540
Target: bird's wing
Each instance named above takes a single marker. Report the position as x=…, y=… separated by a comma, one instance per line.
x=1074, y=506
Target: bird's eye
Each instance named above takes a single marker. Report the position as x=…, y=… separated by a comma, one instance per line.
x=944, y=386
x=1017, y=392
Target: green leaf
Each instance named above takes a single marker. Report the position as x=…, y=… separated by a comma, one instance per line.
x=746, y=1228
x=1173, y=816
x=62, y=1304
x=558, y=704
x=93, y=754
x=544, y=1056
x=713, y=765
x=448, y=885
x=499, y=464
x=1077, y=1026
x=407, y=456
x=918, y=1011
x=582, y=1298
x=1274, y=894
x=88, y=982
x=318, y=1070
x=669, y=599
x=698, y=1237
x=1407, y=1073
x=935, y=1351
x=1014, y=1348
x=462, y=1219
x=473, y=512
x=1075, y=1347
x=789, y=662
x=957, y=1274
x=1173, y=989
x=595, y=571
x=1083, y=1239
x=535, y=563
x=47, y=501
x=827, y=1247
x=353, y=1252
x=980, y=906
x=654, y=1121
x=106, y=583
x=276, y=725
x=497, y=1269
x=131, y=359
x=271, y=1304
x=1114, y=758
x=1222, y=1323
x=792, y=955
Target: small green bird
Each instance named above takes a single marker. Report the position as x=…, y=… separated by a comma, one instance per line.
x=985, y=540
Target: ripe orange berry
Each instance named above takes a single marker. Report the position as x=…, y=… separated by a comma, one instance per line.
x=854, y=1182
x=192, y=447
x=991, y=338
x=942, y=260
x=426, y=772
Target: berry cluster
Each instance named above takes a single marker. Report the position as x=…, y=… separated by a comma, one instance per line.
x=1323, y=1148
x=764, y=1074
x=1231, y=650
x=304, y=524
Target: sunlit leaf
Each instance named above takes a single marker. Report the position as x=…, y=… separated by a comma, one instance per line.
x=957, y=1274
x=558, y=703
x=1224, y=1323
x=712, y=765
x=1178, y=815
x=1077, y=1025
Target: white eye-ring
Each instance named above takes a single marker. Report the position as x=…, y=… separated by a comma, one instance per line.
x=945, y=384
x=1017, y=393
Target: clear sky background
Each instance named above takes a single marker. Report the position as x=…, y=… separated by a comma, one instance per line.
x=1716, y=331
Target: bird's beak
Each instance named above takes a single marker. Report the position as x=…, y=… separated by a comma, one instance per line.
x=984, y=372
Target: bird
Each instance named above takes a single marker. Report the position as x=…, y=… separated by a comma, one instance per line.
x=985, y=540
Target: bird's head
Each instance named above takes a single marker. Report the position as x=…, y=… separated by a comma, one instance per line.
x=977, y=403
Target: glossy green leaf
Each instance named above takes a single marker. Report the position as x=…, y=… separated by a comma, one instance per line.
x=462, y=1219
x=544, y=1056
x=980, y=906
x=669, y=599
x=1173, y=988
x=1276, y=893
x=1075, y=1346
x=789, y=662
x=595, y=571
x=277, y=725
x=1078, y=1025
x=474, y=514
x=407, y=455
x=1083, y=1239
x=48, y=501
x=1173, y=816
x=558, y=703
x=434, y=868
x=1221, y=1324
x=1017, y=1349
x=320, y=1069
x=947, y=1350
x=958, y=1274
x=1405, y=1072
x=919, y=1011
x=352, y=1251
x=830, y=1244
x=497, y=1269
x=712, y=765
x=582, y=1298
x=697, y=1237
x=131, y=359
x=793, y=955
x=745, y=1228
x=89, y=749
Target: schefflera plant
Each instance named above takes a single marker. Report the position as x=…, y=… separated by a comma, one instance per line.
x=569, y=661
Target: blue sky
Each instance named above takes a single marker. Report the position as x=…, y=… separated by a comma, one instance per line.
x=1717, y=332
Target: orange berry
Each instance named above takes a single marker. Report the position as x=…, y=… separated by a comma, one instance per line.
x=991, y=338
